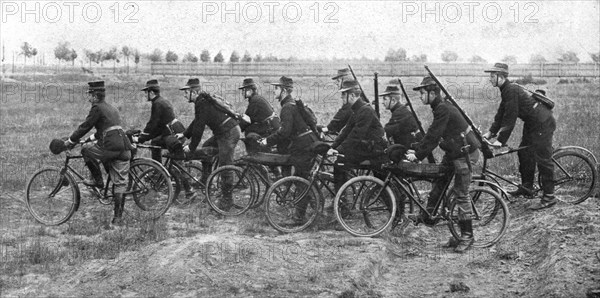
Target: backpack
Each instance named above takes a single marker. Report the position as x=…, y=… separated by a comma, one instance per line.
x=221, y=104
x=308, y=116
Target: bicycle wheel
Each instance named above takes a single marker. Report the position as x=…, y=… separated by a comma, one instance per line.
x=574, y=176
x=261, y=184
x=51, y=196
x=229, y=190
x=490, y=217
x=363, y=207
x=192, y=173
x=285, y=201
x=151, y=188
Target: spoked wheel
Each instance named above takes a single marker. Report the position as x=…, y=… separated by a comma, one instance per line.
x=290, y=205
x=229, y=190
x=261, y=186
x=52, y=197
x=363, y=207
x=151, y=188
x=490, y=217
x=574, y=176
x=193, y=177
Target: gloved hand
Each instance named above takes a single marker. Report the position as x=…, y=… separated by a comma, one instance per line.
x=135, y=139
x=410, y=155
x=186, y=149
x=246, y=118
x=332, y=151
x=324, y=129
x=179, y=135
x=263, y=141
x=487, y=135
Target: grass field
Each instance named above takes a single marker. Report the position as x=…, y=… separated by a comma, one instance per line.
x=36, y=109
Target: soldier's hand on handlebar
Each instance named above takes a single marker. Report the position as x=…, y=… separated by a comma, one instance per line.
x=186, y=149
x=179, y=135
x=410, y=155
x=332, y=152
x=262, y=141
x=496, y=144
x=69, y=144
x=487, y=135
x=135, y=139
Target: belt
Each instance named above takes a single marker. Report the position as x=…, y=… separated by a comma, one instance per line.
x=113, y=128
x=225, y=121
x=304, y=133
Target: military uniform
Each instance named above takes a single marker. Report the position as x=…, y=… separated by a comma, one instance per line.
x=448, y=125
x=538, y=130
x=340, y=119
x=362, y=139
x=263, y=120
x=226, y=132
x=402, y=128
x=162, y=127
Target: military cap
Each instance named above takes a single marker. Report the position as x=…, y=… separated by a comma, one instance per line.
x=284, y=82
x=341, y=73
x=427, y=81
x=249, y=82
x=57, y=146
x=391, y=90
x=191, y=83
x=96, y=86
x=498, y=67
x=349, y=85
x=151, y=85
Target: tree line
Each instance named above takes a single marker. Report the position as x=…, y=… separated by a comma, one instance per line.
x=64, y=52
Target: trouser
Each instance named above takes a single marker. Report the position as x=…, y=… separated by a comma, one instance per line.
x=462, y=181
x=170, y=142
x=350, y=161
x=302, y=160
x=539, y=137
x=226, y=144
x=117, y=163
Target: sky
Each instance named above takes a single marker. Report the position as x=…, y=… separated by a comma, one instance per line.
x=309, y=29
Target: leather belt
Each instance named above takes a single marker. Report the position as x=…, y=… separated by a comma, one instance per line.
x=225, y=121
x=304, y=133
x=113, y=128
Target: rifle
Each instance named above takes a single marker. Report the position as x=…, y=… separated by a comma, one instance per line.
x=430, y=157
x=487, y=152
x=376, y=90
x=362, y=92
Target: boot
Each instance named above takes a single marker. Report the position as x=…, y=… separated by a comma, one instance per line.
x=525, y=189
x=466, y=239
x=226, y=201
x=547, y=201
x=119, y=206
x=96, y=180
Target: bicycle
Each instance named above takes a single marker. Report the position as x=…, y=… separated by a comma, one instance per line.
x=249, y=179
x=285, y=195
x=53, y=194
x=375, y=207
x=574, y=174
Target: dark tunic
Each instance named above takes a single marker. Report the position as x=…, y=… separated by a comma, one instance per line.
x=402, y=127
x=206, y=114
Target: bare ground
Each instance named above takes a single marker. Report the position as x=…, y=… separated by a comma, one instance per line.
x=192, y=252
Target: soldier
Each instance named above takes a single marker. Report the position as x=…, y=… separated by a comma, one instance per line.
x=363, y=137
x=162, y=128
x=112, y=147
x=259, y=118
x=295, y=131
x=452, y=129
x=226, y=133
x=343, y=114
x=402, y=128
x=538, y=130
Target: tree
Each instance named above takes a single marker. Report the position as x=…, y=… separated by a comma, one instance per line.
x=156, y=55
x=136, y=58
x=420, y=58
x=219, y=57
x=568, y=57
x=477, y=59
x=395, y=56
x=235, y=57
x=509, y=59
x=205, y=56
x=62, y=52
x=91, y=56
x=112, y=54
x=258, y=58
x=449, y=56
x=190, y=57
x=537, y=59
x=595, y=57
x=171, y=56
x=27, y=51
x=126, y=53
x=247, y=57
x=270, y=58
